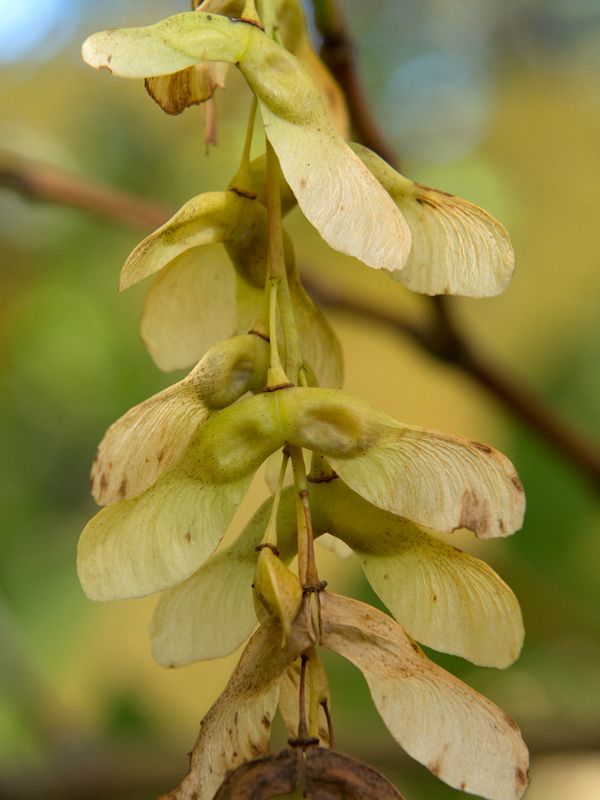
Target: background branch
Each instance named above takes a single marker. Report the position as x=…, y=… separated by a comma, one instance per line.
x=439, y=335
x=37, y=181
x=337, y=51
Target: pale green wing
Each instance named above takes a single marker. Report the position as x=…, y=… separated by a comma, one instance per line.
x=211, y=614
x=145, y=442
x=336, y=192
x=155, y=540
x=207, y=616
x=441, y=596
x=459, y=735
x=343, y=203
x=205, y=219
x=336, y=546
x=258, y=178
x=448, y=600
x=457, y=247
x=249, y=300
x=169, y=46
x=190, y=306
x=320, y=346
x=440, y=481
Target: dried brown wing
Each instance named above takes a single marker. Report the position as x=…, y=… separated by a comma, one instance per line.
x=238, y=726
x=188, y=87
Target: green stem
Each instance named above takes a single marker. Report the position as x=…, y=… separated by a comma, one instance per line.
x=270, y=536
x=307, y=565
x=249, y=11
x=243, y=179
x=269, y=19
x=276, y=265
x=276, y=376
x=302, y=726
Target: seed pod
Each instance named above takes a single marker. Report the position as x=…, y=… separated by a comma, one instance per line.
x=238, y=439
x=328, y=775
x=247, y=244
x=332, y=422
x=230, y=369
x=277, y=591
x=235, y=441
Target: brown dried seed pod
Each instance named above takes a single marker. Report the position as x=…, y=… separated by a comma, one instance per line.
x=262, y=778
x=333, y=776
x=327, y=774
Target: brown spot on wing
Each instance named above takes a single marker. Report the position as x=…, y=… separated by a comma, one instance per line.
x=517, y=483
x=434, y=768
x=187, y=536
x=244, y=192
x=474, y=513
x=103, y=481
x=160, y=455
x=510, y=721
x=485, y=448
x=425, y=201
x=521, y=779
x=434, y=191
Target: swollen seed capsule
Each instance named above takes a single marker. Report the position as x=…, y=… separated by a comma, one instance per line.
x=230, y=369
x=332, y=422
x=277, y=591
x=235, y=441
x=248, y=242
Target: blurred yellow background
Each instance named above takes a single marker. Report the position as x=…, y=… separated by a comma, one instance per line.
x=497, y=102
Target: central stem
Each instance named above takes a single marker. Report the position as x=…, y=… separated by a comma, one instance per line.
x=277, y=269
x=307, y=565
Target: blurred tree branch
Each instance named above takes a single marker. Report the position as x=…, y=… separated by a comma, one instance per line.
x=337, y=51
x=440, y=335
x=37, y=181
